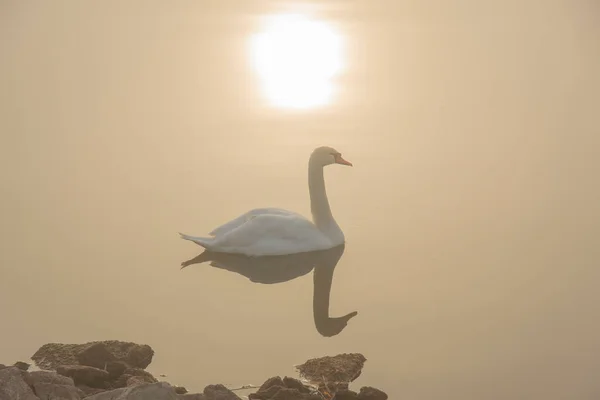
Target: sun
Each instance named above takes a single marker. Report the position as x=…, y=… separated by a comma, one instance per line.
x=297, y=59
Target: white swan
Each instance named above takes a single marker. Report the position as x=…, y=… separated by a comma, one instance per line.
x=274, y=231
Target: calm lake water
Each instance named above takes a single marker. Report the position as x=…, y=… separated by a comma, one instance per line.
x=471, y=214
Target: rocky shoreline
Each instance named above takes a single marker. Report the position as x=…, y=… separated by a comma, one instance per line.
x=115, y=370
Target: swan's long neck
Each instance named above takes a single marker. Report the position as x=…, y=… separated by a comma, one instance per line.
x=319, y=204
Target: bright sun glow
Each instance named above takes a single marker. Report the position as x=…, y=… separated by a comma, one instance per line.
x=296, y=59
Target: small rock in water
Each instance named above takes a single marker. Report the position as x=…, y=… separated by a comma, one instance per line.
x=180, y=390
x=343, y=368
x=370, y=393
x=23, y=366
x=346, y=394
x=219, y=392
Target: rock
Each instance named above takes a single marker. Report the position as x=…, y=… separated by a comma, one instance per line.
x=121, y=382
x=2, y=366
x=13, y=385
x=148, y=391
x=54, y=391
x=84, y=375
x=141, y=373
x=331, y=370
x=294, y=394
x=265, y=394
x=180, y=390
x=137, y=380
x=190, y=396
x=52, y=355
x=295, y=384
x=370, y=393
x=346, y=394
x=96, y=355
x=23, y=366
x=219, y=392
x=139, y=355
x=88, y=391
x=274, y=381
x=50, y=377
x=116, y=368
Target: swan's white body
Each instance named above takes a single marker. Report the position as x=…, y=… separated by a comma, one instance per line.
x=275, y=231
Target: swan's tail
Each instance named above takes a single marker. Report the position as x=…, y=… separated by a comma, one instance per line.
x=202, y=241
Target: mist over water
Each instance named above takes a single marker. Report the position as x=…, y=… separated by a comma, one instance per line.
x=471, y=214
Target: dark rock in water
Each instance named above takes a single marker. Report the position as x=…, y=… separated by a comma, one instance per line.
x=370, y=393
x=23, y=366
x=84, y=375
x=150, y=391
x=346, y=394
x=295, y=384
x=265, y=394
x=50, y=377
x=116, y=368
x=180, y=390
x=52, y=355
x=2, y=366
x=274, y=381
x=96, y=355
x=14, y=385
x=343, y=368
x=54, y=391
x=219, y=392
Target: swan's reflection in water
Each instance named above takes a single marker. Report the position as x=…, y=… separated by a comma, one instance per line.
x=277, y=269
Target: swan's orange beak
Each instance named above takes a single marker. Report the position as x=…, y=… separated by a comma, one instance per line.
x=340, y=160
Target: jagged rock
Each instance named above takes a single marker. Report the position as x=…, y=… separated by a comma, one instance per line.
x=52, y=355
x=180, y=390
x=50, y=377
x=265, y=394
x=14, y=385
x=54, y=391
x=346, y=394
x=219, y=392
x=96, y=355
x=153, y=391
x=84, y=375
x=370, y=393
x=343, y=368
x=23, y=366
x=274, y=381
x=295, y=384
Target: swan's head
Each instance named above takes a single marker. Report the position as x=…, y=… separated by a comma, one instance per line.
x=326, y=155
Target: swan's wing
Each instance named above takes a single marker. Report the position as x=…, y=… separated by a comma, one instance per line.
x=271, y=234
x=242, y=219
